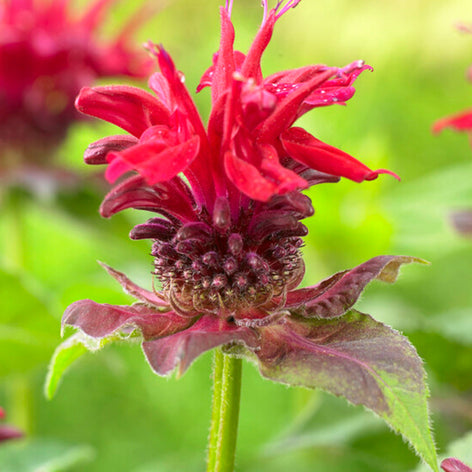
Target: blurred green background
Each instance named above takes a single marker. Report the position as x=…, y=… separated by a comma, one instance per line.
x=111, y=412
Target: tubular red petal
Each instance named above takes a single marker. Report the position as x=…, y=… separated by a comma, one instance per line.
x=251, y=66
x=96, y=152
x=130, y=108
x=95, y=13
x=170, y=197
x=459, y=122
x=286, y=111
x=153, y=162
x=305, y=148
x=222, y=74
x=248, y=179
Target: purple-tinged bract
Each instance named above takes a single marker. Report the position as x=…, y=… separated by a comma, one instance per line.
x=454, y=465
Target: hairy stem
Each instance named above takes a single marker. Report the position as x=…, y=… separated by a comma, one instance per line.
x=225, y=412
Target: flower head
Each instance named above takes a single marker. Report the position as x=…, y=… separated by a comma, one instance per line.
x=46, y=55
x=8, y=432
x=250, y=148
x=228, y=231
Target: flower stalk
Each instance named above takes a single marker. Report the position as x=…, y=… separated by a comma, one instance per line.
x=225, y=412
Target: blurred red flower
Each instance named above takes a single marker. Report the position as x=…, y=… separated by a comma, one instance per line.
x=47, y=53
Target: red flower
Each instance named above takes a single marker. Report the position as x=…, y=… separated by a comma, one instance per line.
x=226, y=245
x=461, y=121
x=46, y=56
x=8, y=432
x=250, y=144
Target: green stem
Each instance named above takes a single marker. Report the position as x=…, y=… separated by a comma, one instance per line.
x=14, y=249
x=20, y=402
x=225, y=412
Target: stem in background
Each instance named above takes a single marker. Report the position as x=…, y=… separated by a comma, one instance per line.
x=225, y=412
x=20, y=408
x=14, y=250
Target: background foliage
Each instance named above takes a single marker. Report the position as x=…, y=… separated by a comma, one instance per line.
x=111, y=413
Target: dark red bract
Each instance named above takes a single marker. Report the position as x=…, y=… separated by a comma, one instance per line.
x=454, y=465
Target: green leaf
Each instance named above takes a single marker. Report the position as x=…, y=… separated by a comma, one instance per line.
x=358, y=358
x=42, y=456
x=65, y=355
x=27, y=329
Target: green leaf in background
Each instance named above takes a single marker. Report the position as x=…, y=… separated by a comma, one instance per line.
x=327, y=422
x=27, y=329
x=460, y=449
x=43, y=456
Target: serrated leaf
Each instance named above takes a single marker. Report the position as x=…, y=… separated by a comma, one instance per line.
x=358, y=358
x=43, y=456
x=64, y=356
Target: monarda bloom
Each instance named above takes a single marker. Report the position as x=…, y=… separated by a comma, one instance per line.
x=227, y=233
x=47, y=53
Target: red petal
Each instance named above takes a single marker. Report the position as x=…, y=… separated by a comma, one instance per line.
x=287, y=110
x=181, y=349
x=459, y=122
x=222, y=76
x=305, y=148
x=130, y=108
x=251, y=67
x=96, y=152
x=169, y=197
x=248, y=179
x=152, y=162
x=101, y=320
x=159, y=85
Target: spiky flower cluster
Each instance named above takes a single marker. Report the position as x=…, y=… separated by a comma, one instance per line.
x=227, y=229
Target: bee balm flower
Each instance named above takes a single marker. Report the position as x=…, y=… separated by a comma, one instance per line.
x=227, y=228
x=47, y=54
